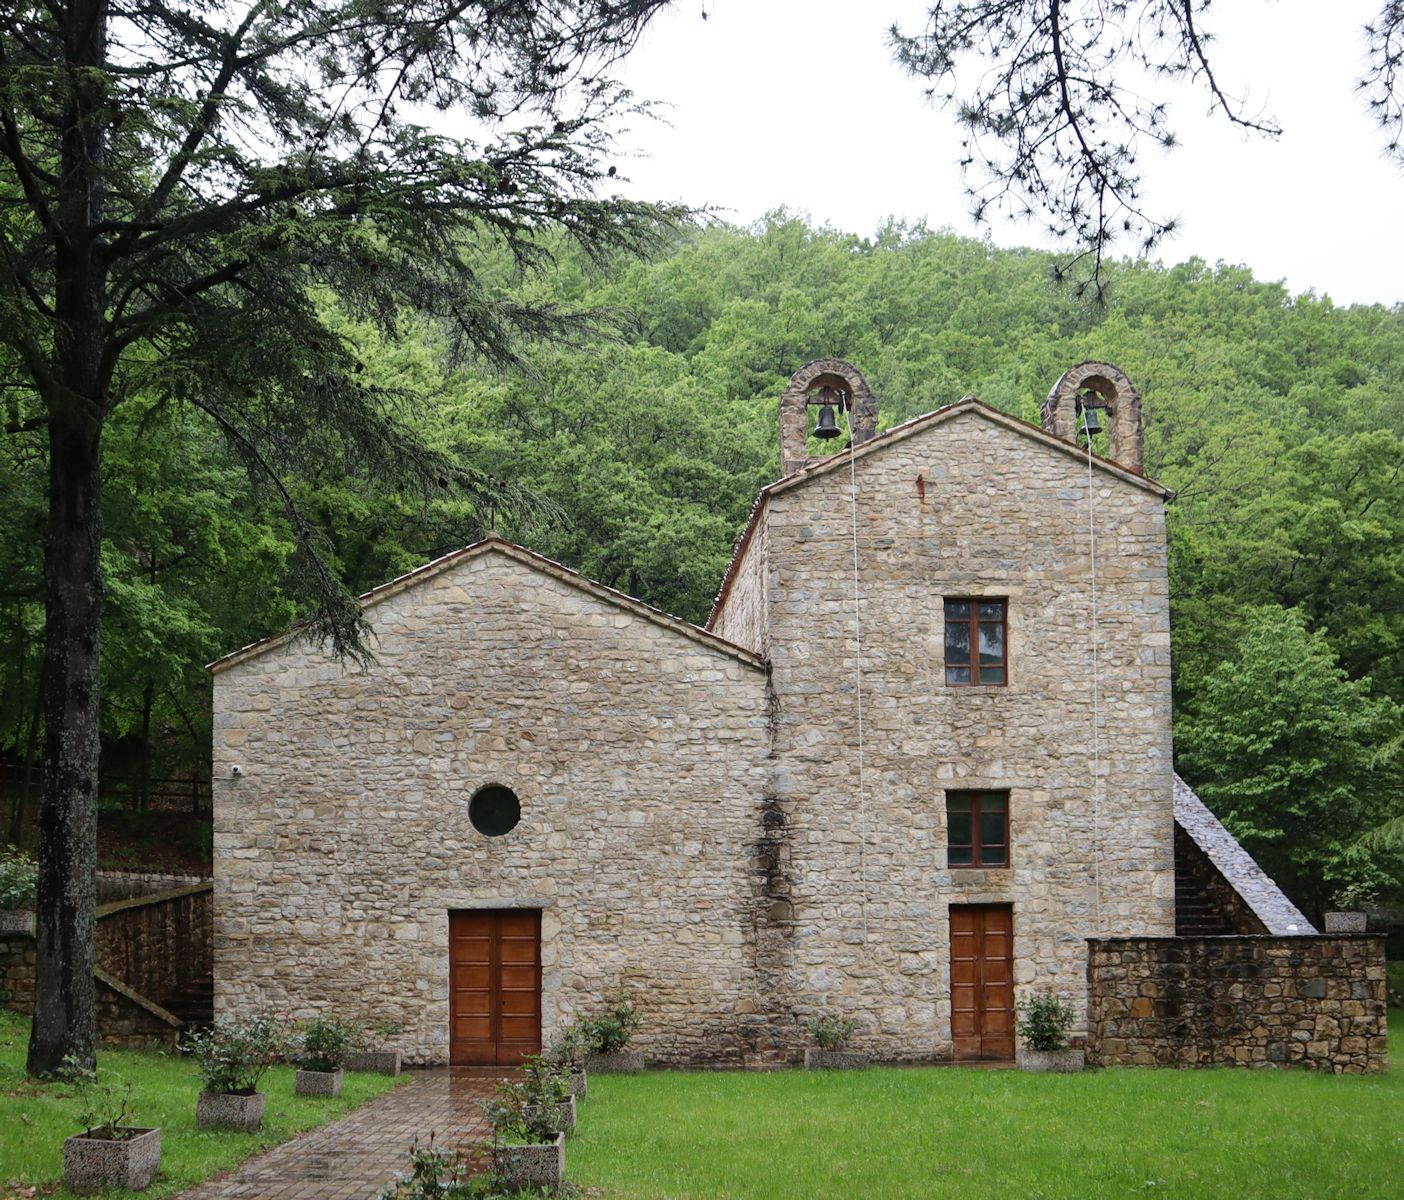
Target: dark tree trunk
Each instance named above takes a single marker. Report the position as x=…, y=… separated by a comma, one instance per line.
x=27, y=784
x=64, y=1016
x=64, y=1033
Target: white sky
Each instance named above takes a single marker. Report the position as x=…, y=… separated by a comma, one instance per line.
x=799, y=103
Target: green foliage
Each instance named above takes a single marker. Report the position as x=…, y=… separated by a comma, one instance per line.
x=232, y=1056
x=526, y=1111
x=567, y=1052
x=1282, y=743
x=105, y=1100
x=436, y=1174
x=831, y=1031
x=1044, y=1021
x=324, y=1043
x=18, y=876
x=614, y=1028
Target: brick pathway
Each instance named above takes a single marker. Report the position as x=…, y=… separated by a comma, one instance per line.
x=355, y=1157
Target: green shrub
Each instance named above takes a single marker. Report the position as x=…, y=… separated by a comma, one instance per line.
x=325, y=1043
x=1044, y=1021
x=232, y=1056
x=18, y=877
x=107, y=1110
x=612, y=1030
x=830, y=1031
x=525, y=1112
x=439, y=1175
x=567, y=1052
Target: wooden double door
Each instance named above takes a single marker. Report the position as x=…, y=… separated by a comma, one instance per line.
x=494, y=986
x=982, y=981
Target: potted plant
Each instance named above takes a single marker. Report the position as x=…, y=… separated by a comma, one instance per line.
x=434, y=1175
x=567, y=1057
x=321, y=1049
x=607, y=1039
x=18, y=875
x=110, y=1152
x=1044, y=1021
x=372, y=1053
x=548, y=1089
x=528, y=1145
x=1348, y=907
x=231, y=1057
x=833, y=1032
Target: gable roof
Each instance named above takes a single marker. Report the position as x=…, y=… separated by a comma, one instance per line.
x=536, y=562
x=899, y=433
x=1277, y=913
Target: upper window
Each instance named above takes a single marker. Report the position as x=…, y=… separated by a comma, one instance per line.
x=976, y=641
x=977, y=829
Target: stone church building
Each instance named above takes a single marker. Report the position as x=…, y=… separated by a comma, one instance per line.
x=918, y=756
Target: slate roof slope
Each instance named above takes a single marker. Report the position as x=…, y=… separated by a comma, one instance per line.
x=1235, y=864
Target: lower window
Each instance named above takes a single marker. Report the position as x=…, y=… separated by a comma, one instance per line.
x=977, y=829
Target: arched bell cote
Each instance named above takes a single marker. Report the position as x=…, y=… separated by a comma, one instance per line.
x=800, y=396
x=1099, y=385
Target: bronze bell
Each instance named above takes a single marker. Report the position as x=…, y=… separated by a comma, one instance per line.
x=827, y=426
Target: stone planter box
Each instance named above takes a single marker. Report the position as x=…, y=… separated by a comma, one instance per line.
x=565, y=1114
x=578, y=1083
x=16, y=920
x=91, y=1164
x=834, y=1060
x=1060, y=1062
x=622, y=1062
x=319, y=1083
x=379, y=1062
x=1345, y=922
x=241, y=1111
x=521, y=1167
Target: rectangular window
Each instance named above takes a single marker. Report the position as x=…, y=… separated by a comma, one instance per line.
x=976, y=641
x=977, y=829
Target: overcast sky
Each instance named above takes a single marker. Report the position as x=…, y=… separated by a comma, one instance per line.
x=798, y=102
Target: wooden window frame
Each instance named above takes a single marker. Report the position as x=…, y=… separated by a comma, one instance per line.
x=973, y=625
x=975, y=864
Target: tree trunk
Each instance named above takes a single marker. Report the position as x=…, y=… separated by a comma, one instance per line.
x=27, y=783
x=64, y=1016
x=64, y=1032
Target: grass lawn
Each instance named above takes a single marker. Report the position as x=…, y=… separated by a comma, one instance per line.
x=35, y=1118
x=883, y=1134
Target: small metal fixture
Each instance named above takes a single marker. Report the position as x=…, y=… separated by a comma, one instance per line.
x=827, y=426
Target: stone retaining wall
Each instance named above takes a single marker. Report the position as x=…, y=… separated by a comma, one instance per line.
x=155, y=944
x=1315, y=1002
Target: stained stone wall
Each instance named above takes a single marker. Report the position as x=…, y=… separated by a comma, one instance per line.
x=638, y=752
x=1315, y=1002
x=742, y=616
x=155, y=944
x=963, y=507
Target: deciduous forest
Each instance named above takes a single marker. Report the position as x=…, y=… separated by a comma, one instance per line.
x=634, y=456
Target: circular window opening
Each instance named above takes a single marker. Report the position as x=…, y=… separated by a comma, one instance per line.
x=494, y=810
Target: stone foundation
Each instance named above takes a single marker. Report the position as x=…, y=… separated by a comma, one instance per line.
x=1314, y=1002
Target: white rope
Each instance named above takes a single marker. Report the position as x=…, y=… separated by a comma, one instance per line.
x=1096, y=707
x=858, y=685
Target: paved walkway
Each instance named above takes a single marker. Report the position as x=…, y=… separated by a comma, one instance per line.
x=356, y=1157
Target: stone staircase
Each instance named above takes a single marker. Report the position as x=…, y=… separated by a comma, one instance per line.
x=1196, y=913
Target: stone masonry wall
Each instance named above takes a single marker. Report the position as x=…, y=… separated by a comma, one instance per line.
x=122, y=1019
x=1315, y=1002
x=638, y=752
x=963, y=507
x=742, y=618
